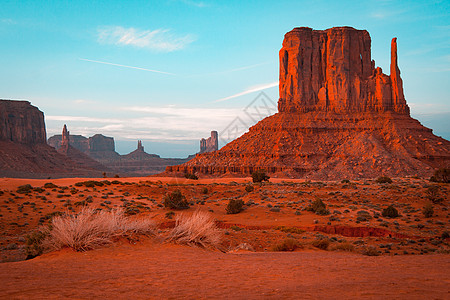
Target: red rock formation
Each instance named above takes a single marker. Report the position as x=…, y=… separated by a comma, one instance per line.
x=210, y=144
x=21, y=122
x=339, y=117
x=332, y=70
x=23, y=148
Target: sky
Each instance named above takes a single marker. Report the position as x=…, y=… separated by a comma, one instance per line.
x=169, y=72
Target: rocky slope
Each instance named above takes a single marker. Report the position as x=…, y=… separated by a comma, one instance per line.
x=339, y=117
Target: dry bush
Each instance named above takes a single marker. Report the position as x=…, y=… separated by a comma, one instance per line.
x=198, y=229
x=287, y=245
x=90, y=229
x=428, y=210
x=234, y=206
x=345, y=246
x=321, y=243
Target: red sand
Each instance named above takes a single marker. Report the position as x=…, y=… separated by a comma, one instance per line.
x=153, y=271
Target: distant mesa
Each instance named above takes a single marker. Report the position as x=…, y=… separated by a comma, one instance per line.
x=210, y=144
x=23, y=148
x=339, y=117
x=101, y=149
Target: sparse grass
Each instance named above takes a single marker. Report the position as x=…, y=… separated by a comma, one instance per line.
x=90, y=229
x=235, y=206
x=249, y=188
x=287, y=245
x=199, y=229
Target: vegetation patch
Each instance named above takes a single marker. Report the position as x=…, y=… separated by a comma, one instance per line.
x=318, y=207
x=390, y=212
x=235, y=206
x=199, y=229
x=175, y=200
x=383, y=179
x=259, y=176
x=288, y=244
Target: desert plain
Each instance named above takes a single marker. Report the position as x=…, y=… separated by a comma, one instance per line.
x=351, y=251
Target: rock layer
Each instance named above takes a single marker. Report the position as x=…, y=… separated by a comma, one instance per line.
x=339, y=117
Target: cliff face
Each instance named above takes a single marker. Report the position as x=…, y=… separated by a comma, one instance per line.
x=339, y=117
x=332, y=70
x=21, y=122
x=23, y=148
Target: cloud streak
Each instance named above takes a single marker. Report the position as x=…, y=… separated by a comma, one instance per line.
x=158, y=40
x=125, y=66
x=249, y=91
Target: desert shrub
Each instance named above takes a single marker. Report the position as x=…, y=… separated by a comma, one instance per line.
x=428, y=210
x=175, y=200
x=363, y=216
x=38, y=189
x=445, y=235
x=90, y=229
x=318, y=207
x=441, y=175
x=383, y=179
x=235, y=206
x=345, y=246
x=24, y=189
x=287, y=245
x=260, y=176
x=190, y=176
x=205, y=191
x=50, y=185
x=90, y=183
x=432, y=193
x=34, y=242
x=390, y=212
x=116, y=182
x=321, y=243
x=370, y=251
x=199, y=229
x=345, y=181
x=249, y=188
x=290, y=229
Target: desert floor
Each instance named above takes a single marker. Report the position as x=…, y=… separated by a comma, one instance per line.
x=410, y=259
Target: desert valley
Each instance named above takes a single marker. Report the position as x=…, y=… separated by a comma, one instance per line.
x=340, y=194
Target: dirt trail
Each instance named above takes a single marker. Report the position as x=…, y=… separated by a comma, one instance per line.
x=153, y=271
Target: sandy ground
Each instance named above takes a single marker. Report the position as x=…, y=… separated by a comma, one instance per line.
x=273, y=212
x=155, y=271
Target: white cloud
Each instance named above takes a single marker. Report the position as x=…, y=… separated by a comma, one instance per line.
x=250, y=90
x=158, y=39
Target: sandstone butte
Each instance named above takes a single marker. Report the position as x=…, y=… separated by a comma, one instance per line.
x=338, y=117
x=23, y=146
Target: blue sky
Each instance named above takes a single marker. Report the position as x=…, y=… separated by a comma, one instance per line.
x=53, y=53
